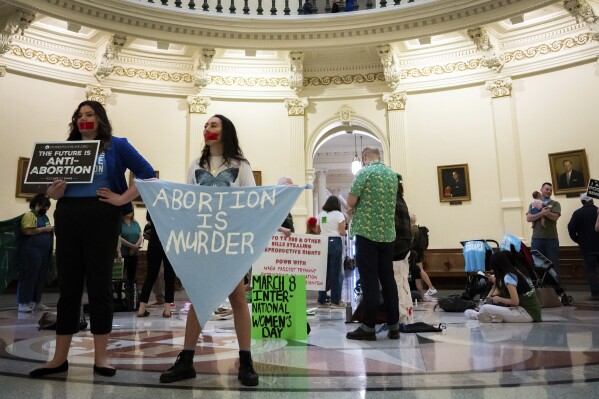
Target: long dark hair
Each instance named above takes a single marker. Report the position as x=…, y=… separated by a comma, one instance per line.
x=104, y=127
x=502, y=263
x=231, y=149
x=332, y=204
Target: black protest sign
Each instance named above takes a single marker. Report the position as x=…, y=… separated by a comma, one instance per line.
x=593, y=189
x=71, y=161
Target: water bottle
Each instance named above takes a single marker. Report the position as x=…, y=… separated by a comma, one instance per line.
x=348, y=313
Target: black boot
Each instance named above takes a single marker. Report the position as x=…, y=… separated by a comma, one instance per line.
x=247, y=375
x=182, y=369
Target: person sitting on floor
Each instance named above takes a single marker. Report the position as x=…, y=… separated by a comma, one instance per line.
x=513, y=296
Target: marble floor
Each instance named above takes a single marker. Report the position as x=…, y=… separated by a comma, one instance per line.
x=554, y=359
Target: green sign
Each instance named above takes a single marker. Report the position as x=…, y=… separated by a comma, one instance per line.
x=279, y=306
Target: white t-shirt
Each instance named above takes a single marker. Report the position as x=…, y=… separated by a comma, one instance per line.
x=235, y=174
x=329, y=223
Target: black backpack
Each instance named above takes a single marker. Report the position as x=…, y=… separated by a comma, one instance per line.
x=455, y=303
x=422, y=238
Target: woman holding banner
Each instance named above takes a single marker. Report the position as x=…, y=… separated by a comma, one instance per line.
x=221, y=164
x=87, y=224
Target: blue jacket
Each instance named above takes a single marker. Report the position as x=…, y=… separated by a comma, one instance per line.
x=120, y=156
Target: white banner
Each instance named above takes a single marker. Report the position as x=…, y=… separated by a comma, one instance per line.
x=304, y=254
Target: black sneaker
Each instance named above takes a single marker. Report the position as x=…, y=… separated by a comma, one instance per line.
x=361, y=335
x=393, y=334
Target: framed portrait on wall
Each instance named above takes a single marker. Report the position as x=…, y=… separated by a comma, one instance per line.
x=454, y=183
x=137, y=201
x=569, y=171
x=26, y=190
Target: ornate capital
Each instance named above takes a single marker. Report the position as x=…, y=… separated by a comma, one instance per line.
x=499, y=87
x=583, y=12
x=106, y=59
x=390, y=65
x=12, y=23
x=97, y=93
x=345, y=113
x=202, y=76
x=296, y=70
x=197, y=104
x=492, y=56
x=396, y=101
x=296, y=106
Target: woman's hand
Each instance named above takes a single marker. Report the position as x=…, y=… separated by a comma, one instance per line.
x=56, y=189
x=286, y=232
x=106, y=195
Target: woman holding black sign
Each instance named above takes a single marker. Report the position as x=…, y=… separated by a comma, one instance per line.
x=87, y=224
x=221, y=164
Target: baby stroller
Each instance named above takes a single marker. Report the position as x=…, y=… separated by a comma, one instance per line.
x=538, y=266
x=547, y=276
x=477, y=254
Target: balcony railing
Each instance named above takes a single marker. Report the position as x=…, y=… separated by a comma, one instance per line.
x=277, y=7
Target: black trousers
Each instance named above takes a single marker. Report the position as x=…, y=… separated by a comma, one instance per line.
x=156, y=256
x=375, y=264
x=87, y=232
x=130, y=264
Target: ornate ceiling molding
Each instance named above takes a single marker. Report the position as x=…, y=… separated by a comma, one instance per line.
x=195, y=28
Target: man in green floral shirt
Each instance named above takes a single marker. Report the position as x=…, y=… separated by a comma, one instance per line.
x=372, y=197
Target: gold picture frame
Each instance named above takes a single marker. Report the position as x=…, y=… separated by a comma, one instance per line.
x=27, y=190
x=138, y=201
x=454, y=183
x=576, y=162
x=257, y=177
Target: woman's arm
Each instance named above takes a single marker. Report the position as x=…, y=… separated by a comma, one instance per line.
x=342, y=228
x=513, y=300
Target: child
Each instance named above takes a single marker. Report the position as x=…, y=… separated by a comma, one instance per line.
x=537, y=206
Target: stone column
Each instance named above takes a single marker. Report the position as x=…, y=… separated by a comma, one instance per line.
x=321, y=189
x=195, y=138
x=508, y=155
x=396, y=122
x=297, y=150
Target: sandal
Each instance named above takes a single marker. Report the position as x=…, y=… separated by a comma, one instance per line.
x=166, y=315
x=145, y=314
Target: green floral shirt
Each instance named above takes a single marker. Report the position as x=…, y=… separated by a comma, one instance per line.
x=374, y=216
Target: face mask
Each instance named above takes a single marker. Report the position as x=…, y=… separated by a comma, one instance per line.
x=85, y=125
x=210, y=136
x=42, y=212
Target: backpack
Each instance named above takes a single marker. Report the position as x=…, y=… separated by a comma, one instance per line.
x=422, y=243
x=455, y=303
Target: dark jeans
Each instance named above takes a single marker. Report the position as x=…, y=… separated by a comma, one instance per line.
x=33, y=269
x=590, y=263
x=334, y=271
x=375, y=264
x=87, y=231
x=548, y=247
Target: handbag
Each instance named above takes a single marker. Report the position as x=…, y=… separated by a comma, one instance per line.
x=548, y=297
